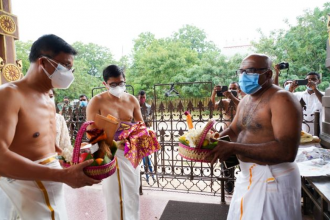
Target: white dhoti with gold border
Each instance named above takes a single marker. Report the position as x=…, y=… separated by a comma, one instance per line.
x=121, y=190
x=37, y=200
x=266, y=192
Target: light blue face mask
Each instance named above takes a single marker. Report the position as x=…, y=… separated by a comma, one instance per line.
x=83, y=103
x=249, y=83
x=310, y=89
x=287, y=87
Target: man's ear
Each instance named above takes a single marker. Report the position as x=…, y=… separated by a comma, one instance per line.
x=41, y=62
x=319, y=81
x=104, y=84
x=270, y=74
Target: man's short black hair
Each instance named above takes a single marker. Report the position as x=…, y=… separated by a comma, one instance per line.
x=142, y=92
x=112, y=71
x=65, y=97
x=82, y=96
x=315, y=74
x=287, y=81
x=235, y=83
x=49, y=45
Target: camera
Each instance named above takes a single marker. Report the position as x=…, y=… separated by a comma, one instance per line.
x=223, y=89
x=302, y=82
x=283, y=65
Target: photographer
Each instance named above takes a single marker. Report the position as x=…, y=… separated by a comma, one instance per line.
x=311, y=96
x=233, y=93
x=287, y=84
x=278, y=68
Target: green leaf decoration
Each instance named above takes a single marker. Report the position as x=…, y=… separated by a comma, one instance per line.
x=210, y=146
x=106, y=160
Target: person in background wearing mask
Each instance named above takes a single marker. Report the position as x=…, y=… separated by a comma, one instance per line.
x=65, y=104
x=233, y=94
x=83, y=100
x=142, y=96
x=228, y=116
x=287, y=84
x=121, y=191
x=313, y=99
x=265, y=136
x=147, y=114
x=31, y=175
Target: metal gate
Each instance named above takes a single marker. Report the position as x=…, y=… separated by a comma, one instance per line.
x=166, y=170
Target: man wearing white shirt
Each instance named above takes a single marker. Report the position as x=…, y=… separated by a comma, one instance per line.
x=313, y=99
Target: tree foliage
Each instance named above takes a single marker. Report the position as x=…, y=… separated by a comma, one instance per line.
x=95, y=56
x=188, y=56
x=302, y=45
x=22, y=53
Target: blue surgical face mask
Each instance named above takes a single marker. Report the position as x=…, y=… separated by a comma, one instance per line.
x=310, y=89
x=83, y=103
x=287, y=87
x=249, y=83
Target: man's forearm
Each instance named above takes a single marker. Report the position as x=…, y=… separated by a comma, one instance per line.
x=270, y=152
x=213, y=99
x=235, y=100
x=318, y=94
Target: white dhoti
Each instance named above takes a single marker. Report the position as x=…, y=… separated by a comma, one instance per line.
x=37, y=200
x=7, y=210
x=267, y=192
x=121, y=190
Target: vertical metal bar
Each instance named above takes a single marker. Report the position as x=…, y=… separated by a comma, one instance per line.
x=317, y=123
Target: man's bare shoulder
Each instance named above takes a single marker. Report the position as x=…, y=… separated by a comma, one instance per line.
x=132, y=98
x=284, y=98
x=98, y=98
x=10, y=96
x=9, y=91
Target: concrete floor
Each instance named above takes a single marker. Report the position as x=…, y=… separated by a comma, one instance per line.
x=88, y=203
x=152, y=202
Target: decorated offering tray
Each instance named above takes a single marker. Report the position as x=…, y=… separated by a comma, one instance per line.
x=104, y=164
x=195, y=144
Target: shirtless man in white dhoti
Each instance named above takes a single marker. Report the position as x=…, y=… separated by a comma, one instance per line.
x=121, y=190
x=30, y=173
x=265, y=136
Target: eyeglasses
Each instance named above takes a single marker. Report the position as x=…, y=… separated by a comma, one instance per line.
x=250, y=71
x=63, y=65
x=83, y=100
x=114, y=85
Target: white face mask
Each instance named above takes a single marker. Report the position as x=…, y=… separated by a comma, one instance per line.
x=61, y=78
x=117, y=91
x=52, y=99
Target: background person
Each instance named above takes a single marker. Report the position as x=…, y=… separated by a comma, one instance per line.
x=313, y=99
x=147, y=114
x=83, y=100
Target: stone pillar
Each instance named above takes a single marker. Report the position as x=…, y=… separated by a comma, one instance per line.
x=325, y=135
x=9, y=67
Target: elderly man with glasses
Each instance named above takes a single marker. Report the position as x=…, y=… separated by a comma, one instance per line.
x=265, y=135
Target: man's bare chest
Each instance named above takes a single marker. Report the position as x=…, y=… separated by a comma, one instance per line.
x=122, y=111
x=254, y=119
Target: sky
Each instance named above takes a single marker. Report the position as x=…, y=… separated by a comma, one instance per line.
x=116, y=23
